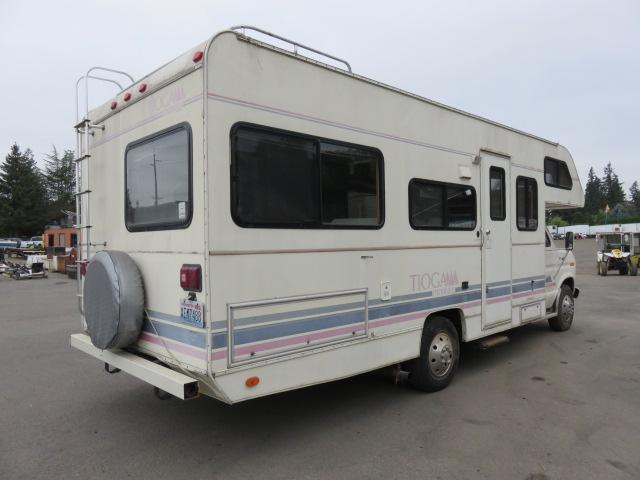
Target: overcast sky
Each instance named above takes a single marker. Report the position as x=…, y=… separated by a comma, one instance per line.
x=565, y=70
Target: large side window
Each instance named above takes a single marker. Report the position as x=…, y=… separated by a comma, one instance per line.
x=527, y=203
x=158, y=181
x=441, y=206
x=497, y=202
x=286, y=180
x=556, y=174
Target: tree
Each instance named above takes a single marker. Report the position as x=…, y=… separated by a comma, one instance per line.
x=558, y=221
x=593, y=195
x=59, y=173
x=22, y=194
x=634, y=192
x=612, y=187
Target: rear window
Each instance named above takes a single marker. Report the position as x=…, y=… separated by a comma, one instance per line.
x=158, y=181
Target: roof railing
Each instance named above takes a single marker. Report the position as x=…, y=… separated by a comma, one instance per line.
x=295, y=44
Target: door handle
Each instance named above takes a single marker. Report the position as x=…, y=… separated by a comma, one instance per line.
x=487, y=231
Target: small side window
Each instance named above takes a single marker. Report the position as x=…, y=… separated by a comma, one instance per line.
x=556, y=174
x=441, y=206
x=497, y=203
x=527, y=203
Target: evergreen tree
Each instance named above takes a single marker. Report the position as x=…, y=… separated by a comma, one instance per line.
x=612, y=187
x=593, y=195
x=634, y=192
x=60, y=182
x=22, y=195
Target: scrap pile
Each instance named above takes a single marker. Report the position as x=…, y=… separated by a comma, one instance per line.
x=17, y=271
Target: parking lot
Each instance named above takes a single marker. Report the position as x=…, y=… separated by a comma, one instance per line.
x=545, y=405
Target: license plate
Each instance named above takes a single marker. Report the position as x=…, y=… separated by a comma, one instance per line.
x=192, y=311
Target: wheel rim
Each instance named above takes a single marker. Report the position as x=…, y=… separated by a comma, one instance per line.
x=440, y=354
x=567, y=307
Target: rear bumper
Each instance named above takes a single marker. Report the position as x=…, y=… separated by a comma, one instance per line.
x=175, y=383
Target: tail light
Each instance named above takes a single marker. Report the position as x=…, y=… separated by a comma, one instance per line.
x=191, y=278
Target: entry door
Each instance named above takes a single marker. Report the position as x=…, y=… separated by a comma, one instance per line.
x=496, y=241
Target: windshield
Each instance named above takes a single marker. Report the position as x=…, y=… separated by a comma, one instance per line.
x=613, y=241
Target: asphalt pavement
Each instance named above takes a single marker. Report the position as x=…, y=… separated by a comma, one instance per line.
x=546, y=405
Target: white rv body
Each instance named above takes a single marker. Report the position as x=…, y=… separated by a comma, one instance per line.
x=294, y=307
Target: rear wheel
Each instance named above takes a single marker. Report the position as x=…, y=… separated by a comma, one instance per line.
x=598, y=267
x=604, y=268
x=633, y=269
x=566, y=309
x=439, y=355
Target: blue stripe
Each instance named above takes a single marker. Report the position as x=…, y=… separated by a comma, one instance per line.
x=377, y=310
x=174, y=332
x=256, y=334
x=259, y=333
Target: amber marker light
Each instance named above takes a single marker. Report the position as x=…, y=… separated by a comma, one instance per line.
x=252, y=381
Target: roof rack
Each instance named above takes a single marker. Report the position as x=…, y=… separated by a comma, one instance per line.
x=295, y=44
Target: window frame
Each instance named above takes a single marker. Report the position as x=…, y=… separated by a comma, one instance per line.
x=445, y=212
x=317, y=141
x=167, y=225
x=557, y=164
x=535, y=182
x=504, y=194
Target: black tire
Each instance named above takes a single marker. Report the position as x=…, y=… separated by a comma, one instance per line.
x=604, y=269
x=633, y=269
x=564, y=319
x=598, y=267
x=439, y=349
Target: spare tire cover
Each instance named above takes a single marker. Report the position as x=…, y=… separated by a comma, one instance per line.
x=113, y=300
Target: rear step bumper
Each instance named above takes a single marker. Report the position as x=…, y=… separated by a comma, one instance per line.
x=175, y=383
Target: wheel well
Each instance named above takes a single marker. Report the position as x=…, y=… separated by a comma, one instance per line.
x=569, y=282
x=455, y=316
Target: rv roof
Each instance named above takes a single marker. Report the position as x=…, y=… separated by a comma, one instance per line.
x=184, y=64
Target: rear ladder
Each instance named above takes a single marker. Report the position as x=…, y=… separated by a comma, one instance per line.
x=84, y=128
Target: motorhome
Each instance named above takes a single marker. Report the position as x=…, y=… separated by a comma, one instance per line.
x=254, y=218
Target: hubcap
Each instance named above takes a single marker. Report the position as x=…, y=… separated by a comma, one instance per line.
x=567, y=307
x=440, y=354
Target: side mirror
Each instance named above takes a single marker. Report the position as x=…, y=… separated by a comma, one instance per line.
x=568, y=241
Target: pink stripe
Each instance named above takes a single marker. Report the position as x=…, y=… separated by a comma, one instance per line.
x=500, y=299
x=528, y=293
x=301, y=339
x=219, y=354
x=175, y=346
x=295, y=340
